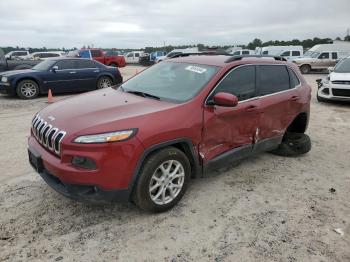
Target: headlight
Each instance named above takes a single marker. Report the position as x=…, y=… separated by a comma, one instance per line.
x=4, y=79
x=106, y=137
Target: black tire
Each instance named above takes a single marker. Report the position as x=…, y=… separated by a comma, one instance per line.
x=293, y=144
x=104, y=82
x=27, y=89
x=320, y=99
x=305, y=69
x=150, y=168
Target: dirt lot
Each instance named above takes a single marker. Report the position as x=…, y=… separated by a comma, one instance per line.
x=268, y=208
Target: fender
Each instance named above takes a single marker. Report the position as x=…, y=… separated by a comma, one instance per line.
x=194, y=160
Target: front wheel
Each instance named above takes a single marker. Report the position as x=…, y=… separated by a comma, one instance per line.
x=104, y=82
x=163, y=180
x=27, y=89
x=305, y=69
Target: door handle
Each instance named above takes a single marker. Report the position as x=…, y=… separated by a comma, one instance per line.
x=72, y=72
x=294, y=98
x=96, y=71
x=251, y=108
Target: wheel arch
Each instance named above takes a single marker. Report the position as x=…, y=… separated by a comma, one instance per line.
x=299, y=123
x=183, y=144
x=18, y=80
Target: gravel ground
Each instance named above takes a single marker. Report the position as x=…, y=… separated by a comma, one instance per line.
x=267, y=208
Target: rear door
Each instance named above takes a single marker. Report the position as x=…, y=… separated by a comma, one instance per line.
x=87, y=74
x=279, y=102
x=227, y=128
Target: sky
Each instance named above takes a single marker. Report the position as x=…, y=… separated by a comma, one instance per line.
x=141, y=23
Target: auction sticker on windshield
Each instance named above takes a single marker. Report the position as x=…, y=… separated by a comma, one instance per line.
x=196, y=69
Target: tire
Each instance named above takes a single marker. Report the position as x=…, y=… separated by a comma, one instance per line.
x=305, y=69
x=320, y=99
x=293, y=144
x=27, y=89
x=104, y=82
x=152, y=192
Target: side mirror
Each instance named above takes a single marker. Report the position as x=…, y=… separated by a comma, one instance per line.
x=54, y=68
x=225, y=99
x=330, y=69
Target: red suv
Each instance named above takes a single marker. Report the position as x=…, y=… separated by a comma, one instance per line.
x=143, y=140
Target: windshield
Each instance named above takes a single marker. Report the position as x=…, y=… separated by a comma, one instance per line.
x=178, y=82
x=343, y=66
x=311, y=54
x=45, y=65
x=171, y=54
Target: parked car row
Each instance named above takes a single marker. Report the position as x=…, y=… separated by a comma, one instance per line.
x=61, y=75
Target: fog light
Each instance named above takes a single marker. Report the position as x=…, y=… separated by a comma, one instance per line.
x=83, y=162
x=325, y=91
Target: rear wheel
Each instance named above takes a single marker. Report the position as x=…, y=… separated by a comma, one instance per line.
x=163, y=180
x=27, y=89
x=305, y=69
x=104, y=82
x=293, y=144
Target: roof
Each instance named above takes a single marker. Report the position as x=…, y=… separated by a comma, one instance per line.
x=222, y=60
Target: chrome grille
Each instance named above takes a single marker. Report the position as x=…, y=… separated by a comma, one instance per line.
x=47, y=135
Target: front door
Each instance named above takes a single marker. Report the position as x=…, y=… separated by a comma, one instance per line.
x=231, y=128
x=64, y=79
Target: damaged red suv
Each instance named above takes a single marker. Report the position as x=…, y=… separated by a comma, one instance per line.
x=143, y=140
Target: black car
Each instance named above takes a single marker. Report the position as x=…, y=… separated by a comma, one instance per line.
x=61, y=75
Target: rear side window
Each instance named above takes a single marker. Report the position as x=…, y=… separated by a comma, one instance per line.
x=324, y=56
x=239, y=82
x=294, y=80
x=86, y=64
x=66, y=64
x=95, y=53
x=273, y=79
x=296, y=53
x=334, y=56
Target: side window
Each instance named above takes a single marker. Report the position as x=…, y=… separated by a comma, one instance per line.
x=66, y=64
x=236, y=53
x=137, y=55
x=294, y=80
x=95, y=53
x=296, y=53
x=85, y=64
x=245, y=52
x=130, y=55
x=334, y=55
x=286, y=53
x=265, y=52
x=239, y=82
x=273, y=79
x=324, y=56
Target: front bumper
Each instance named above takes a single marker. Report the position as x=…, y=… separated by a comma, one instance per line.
x=111, y=181
x=336, y=92
x=6, y=88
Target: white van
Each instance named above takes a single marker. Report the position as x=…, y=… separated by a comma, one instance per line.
x=18, y=54
x=243, y=52
x=133, y=57
x=45, y=55
x=288, y=52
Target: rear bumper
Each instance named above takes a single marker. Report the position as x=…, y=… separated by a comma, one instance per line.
x=334, y=92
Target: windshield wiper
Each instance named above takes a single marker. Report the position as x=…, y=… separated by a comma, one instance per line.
x=143, y=94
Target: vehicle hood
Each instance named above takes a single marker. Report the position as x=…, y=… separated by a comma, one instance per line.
x=103, y=111
x=334, y=76
x=17, y=72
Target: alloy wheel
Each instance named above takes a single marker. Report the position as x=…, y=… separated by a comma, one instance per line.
x=105, y=82
x=167, y=182
x=28, y=89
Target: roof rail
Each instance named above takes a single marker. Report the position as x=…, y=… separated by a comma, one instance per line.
x=199, y=53
x=240, y=57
